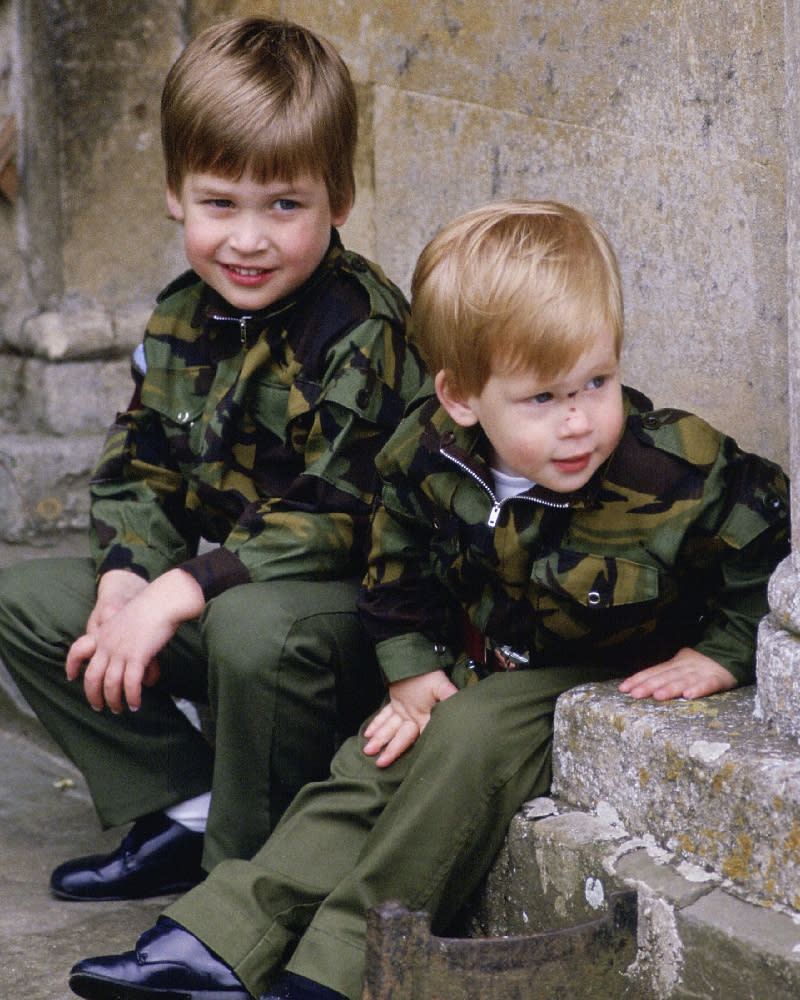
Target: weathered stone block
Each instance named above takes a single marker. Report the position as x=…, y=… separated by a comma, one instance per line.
x=44, y=484
x=73, y=334
x=74, y=397
x=550, y=873
x=778, y=653
x=10, y=382
x=691, y=76
x=778, y=693
x=693, y=936
x=703, y=777
x=733, y=949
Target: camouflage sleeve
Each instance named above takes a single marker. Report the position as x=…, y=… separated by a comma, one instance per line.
x=138, y=519
x=411, y=618
x=404, y=607
x=738, y=535
x=751, y=538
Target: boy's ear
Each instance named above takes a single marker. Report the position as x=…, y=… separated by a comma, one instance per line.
x=339, y=218
x=453, y=400
x=174, y=206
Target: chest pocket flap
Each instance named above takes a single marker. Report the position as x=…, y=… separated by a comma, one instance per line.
x=595, y=581
x=178, y=394
x=363, y=393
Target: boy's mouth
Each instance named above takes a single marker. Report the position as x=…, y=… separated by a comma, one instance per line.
x=247, y=276
x=246, y=272
x=575, y=464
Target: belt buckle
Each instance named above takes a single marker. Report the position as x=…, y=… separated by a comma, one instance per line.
x=506, y=657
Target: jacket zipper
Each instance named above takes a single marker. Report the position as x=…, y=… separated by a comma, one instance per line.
x=241, y=320
x=497, y=505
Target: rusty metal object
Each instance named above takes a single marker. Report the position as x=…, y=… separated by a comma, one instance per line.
x=588, y=961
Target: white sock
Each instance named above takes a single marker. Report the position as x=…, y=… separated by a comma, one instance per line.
x=192, y=813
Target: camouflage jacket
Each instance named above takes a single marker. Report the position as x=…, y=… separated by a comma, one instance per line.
x=670, y=544
x=257, y=432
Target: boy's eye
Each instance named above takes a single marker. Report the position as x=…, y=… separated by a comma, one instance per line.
x=286, y=204
x=542, y=397
x=220, y=202
x=597, y=382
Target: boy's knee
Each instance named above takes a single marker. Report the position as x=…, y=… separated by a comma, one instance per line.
x=458, y=724
x=263, y=624
x=26, y=585
x=242, y=645
x=18, y=582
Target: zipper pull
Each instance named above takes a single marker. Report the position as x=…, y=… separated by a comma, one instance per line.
x=243, y=328
x=494, y=514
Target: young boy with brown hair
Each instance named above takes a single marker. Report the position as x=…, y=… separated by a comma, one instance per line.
x=270, y=375
x=585, y=535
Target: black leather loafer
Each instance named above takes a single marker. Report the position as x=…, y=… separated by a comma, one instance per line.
x=157, y=857
x=168, y=963
x=294, y=987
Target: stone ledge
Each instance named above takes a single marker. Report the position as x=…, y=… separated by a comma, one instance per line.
x=710, y=782
x=76, y=332
x=696, y=940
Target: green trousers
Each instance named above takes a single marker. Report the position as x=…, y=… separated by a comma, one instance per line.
x=422, y=831
x=284, y=666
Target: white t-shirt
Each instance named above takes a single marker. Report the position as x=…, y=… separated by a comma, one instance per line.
x=506, y=486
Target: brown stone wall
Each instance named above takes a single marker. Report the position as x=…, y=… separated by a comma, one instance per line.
x=663, y=120
x=666, y=121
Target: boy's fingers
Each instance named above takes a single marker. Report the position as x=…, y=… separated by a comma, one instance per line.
x=679, y=679
x=132, y=685
x=406, y=737
x=379, y=736
x=112, y=685
x=93, y=681
x=385, y=713
x=79, y=652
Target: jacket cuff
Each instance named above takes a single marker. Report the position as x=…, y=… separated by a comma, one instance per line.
x=412, y=655
x=216, y=571
x=731, y=654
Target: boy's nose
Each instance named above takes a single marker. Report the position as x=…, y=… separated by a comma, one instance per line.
x=576, y=420
x=249, y=236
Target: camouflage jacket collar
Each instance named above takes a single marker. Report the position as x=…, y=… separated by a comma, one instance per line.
x=213, y=308
x=469, y=450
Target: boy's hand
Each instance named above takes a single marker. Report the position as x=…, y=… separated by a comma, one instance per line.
x=398, y=725
x=114, y=590
x=120, y=653
x=688, y=674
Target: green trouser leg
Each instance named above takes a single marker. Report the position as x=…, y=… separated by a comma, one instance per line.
x=134, y=763
x=286, y=668
x=422, y=831
x=290, y=672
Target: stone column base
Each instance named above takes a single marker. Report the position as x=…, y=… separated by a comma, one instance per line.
x=778, y=654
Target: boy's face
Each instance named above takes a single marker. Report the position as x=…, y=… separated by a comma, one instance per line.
x=556, y=432
x=254, y=243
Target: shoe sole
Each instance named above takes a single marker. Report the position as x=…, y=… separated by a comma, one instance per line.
x=166, y=890
x=93, y=988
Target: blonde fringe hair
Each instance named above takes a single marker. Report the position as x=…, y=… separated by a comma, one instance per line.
x=264, y=96
x=512, y=285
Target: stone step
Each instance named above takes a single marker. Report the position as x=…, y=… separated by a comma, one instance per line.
x=696, y=806
x=711, y=782
x=695, y=939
